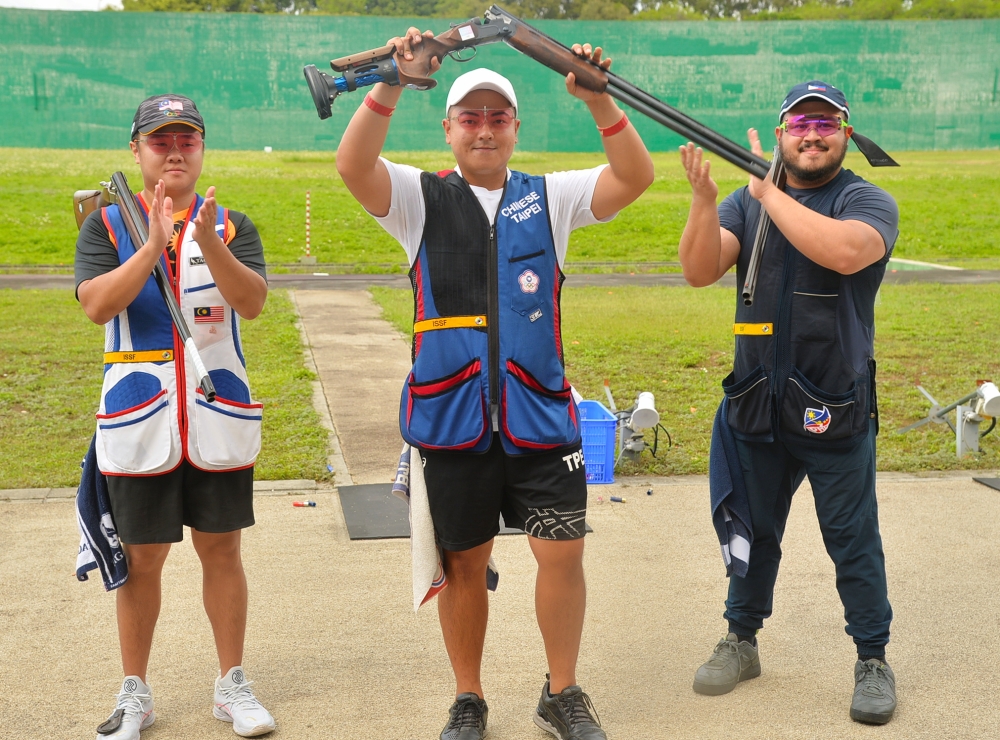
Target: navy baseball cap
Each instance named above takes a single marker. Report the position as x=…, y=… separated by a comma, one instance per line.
x=815, y=90
x=162, y=110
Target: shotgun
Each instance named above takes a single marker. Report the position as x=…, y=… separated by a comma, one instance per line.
x=384, y=65
x=118, y=191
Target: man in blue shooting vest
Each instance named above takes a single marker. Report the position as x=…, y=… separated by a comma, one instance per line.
x=801, y=397
x=487, y=402
x=172, y=459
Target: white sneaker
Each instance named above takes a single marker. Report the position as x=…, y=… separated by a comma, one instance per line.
x=235, y=702
x=133, y=712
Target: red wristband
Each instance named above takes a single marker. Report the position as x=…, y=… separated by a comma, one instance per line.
x=382, y=110
x=615, y=128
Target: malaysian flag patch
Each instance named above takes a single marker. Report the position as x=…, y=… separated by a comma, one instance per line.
x=209, y=314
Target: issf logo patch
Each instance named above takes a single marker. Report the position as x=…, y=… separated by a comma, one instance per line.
x=816, y=421
x=528, y=281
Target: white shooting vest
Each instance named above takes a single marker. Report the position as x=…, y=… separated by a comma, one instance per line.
x=152, y=413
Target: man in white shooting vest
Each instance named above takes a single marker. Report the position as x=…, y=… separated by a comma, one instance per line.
x=171, y=458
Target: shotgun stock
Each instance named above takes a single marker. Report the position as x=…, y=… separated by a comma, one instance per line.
x=86, y=202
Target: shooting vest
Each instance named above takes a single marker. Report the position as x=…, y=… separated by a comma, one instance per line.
x=804, y=361
x=152, y=413
x=487, y=324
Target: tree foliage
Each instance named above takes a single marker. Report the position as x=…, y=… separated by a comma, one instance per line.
x=657, y=10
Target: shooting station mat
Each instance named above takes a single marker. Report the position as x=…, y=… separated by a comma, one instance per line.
x=991, y=482
x=373, y=513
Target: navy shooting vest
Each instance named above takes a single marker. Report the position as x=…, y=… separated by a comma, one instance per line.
x=804, y=358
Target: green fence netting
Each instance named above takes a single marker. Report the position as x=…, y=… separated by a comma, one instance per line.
x=73, y=80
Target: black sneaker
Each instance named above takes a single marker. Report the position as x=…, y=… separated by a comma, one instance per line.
x=569, y=715
x=468, y=719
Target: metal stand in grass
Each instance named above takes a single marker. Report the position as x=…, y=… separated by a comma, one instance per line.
x=631, y=423
x=967, y=418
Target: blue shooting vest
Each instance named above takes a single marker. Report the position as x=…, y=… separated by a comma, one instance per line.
x=804, y=361
x=487, y=324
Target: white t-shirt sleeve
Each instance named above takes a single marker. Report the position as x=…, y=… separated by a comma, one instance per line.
x=569, y=196
x=405, y=219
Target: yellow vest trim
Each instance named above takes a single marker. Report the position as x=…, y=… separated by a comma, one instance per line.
x=152, y=355
x=450, y=322
x=757, y=330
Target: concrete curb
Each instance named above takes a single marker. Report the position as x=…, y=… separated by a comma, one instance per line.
x=260, y=488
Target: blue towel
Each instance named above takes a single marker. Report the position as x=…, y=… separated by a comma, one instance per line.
x=99, y=545
x=730, y=505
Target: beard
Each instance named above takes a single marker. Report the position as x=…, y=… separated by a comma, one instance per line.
x=817, y=174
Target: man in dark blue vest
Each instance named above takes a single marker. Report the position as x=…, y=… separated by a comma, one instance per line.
x=487, y=403
x=801, y=397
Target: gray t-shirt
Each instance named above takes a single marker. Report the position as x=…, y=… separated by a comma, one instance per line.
x=853, y=200
x=96, y=253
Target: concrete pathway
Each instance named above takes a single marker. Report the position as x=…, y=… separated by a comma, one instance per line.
x=336, y=651
x=362, y=282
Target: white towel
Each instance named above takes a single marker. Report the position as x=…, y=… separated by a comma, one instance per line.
x=428, y=573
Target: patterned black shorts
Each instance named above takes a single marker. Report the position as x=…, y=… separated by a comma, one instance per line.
x=544, y=494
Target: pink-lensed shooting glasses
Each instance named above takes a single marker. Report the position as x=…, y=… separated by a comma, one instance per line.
x=800, y=125
x=472, y=120
x=186, y=143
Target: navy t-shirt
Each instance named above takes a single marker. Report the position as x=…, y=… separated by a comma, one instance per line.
x=853, y=200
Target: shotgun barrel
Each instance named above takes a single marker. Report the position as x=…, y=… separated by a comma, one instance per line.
x=135, y=224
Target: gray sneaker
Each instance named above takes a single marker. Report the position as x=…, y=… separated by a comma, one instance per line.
x=874, y=692
x=731, y=662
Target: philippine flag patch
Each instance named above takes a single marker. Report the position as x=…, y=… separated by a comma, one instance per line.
x=209, y=314
x=528, y=281
x=816, y=421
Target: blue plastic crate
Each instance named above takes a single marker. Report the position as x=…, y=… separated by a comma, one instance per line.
x=599, y=430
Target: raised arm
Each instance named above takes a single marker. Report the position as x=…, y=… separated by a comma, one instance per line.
x=242, y=288
x=358, y=154
x=706, y=251
x=630, y=168
x=107, y=295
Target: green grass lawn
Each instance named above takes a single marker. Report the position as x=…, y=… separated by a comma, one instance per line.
x=50, y=384
x=677, y=343
x=947, y=204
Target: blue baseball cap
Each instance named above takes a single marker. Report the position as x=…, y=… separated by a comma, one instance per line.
x=815, y=90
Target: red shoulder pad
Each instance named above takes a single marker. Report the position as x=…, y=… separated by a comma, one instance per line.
x=444, y=173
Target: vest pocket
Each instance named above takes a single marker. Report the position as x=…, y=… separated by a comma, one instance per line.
x=525, y=281
x=749, y=402
x=228, y=431
x=534, y=416
x=136, y=439
x=808, y=411
x=814, y=316
x=446, y=413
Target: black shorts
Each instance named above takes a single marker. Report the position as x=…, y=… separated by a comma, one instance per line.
x=544, y=494
x=155, y=509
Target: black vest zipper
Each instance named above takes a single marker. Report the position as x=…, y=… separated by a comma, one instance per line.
x=493, y=318
x=781, y=367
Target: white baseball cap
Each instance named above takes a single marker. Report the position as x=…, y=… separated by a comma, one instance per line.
x=480, y=79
